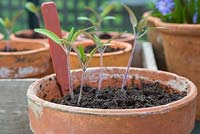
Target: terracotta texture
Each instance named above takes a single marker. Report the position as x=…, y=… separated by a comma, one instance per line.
x=154, y=37
x=125, y=37
x=182, y=49
x=49, y=118
x=23, y=64
x=119, y=58
x=1, y=36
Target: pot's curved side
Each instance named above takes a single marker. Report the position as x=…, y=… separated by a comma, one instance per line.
x=154, y=37
x=174, y=118
x=15, y=38
x=182, y=49
x=119, y=58
x=125, y=37
x=31, y=62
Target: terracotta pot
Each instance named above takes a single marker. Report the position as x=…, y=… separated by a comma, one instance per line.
x=109, y=59
x=13, y=37
x=1, y=36
x=125, y=37
x=174, y=118
x=23, y=64
x=182, y=49
x=155, y=38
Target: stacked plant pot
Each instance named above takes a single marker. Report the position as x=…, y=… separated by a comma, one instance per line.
x=26, y=59
x=182, y=50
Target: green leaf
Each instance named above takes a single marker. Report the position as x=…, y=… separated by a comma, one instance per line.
x=92, y=10
x=82, y=54
x=75, y=36
x=31, y=7
x=109, y=18
x=142, y=24
x=50, y=35
x=86, y=19
x=2, y=22
x=107, y=10
x=98, y=41
x=70, y=35
x=132, y=16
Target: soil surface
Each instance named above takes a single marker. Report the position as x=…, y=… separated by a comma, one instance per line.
x=12, y=50
x=151, y=94
x=31, y=35
x=109, y=49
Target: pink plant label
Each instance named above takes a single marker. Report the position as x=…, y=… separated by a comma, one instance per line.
x=50, y=16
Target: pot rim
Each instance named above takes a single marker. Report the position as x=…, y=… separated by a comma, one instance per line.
x=44, y=47
x=115, y=112
x=178, y=29
x=13, y=37
x=127, y=47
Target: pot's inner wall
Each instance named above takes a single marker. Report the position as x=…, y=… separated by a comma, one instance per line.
x=48, y=89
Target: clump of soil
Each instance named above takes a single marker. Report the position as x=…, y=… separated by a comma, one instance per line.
x=12, y=50
x=149, y=95
x=104, y=36
x=109, y=49
x=30, y=35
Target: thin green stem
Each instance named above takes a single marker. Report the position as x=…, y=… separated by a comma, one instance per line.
x=82, y=85
x=101, y=71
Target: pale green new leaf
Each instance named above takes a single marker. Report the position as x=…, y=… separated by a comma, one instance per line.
x=50, y=35
x=31, y=7
x=2, y=22
x=109, y=18
x=107, y=10
x=86, y=19
x=132, y=16
x=76, y=35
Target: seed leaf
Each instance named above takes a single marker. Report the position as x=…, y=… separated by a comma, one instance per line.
x=50, y=35
x=107, y=10
x=132, y=16
x=31, y=7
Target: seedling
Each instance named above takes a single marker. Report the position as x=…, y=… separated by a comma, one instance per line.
x=101, y=48
x=139, y=30
x=31, y=7
x=99, y=17
x=66, y=43
x=8, y=25
x=84, y=60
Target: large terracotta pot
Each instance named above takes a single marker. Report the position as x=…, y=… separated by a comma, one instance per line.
x=182, y=49
x=1, y=36
x=32, y=62
x=125, y=37
x=154, y=37
x=49, y=118
x=118, y=58
x=28, y=31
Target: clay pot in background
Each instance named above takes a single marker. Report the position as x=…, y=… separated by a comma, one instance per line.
x=32, y=62
x=182, y=49
x=118, y=58
x=155, y=38
x=125, y=37
x=29, y=32
x=174, y=118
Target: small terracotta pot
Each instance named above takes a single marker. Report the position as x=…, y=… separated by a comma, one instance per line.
x=182, y=49
x=109, y=59
x=125, y=37
x=32, y=62
x=174, y=118
x=1, y=36
x=15, y=38
x=154, y=37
